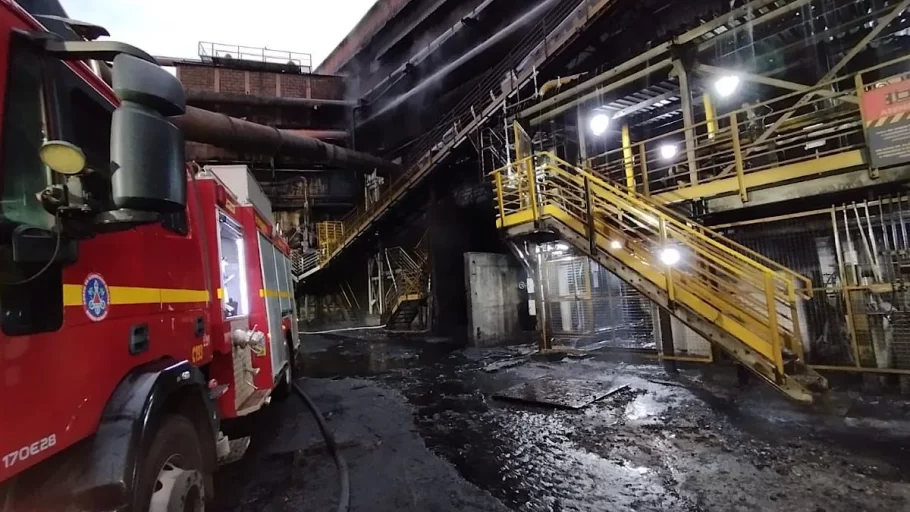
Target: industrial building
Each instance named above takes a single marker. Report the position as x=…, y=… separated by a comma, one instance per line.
x=546, y=255
x=711, y=188
x=719, y=187
x=738, y=143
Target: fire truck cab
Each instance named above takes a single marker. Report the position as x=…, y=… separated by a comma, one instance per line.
x=142, y=300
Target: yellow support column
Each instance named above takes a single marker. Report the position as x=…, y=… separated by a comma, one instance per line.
x=710, y=116
x=738, y=159
x=668, y=269
x=532, y=185
x=771, y=302
x=502, y=209
x=627, y=158
x=797, y=341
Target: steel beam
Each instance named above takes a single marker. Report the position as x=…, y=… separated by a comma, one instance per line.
x=591, y=95
x=790, y=172
x=650, y=102
x=774, y=82
x=653, y=53
x=688, y=121
x=880, y=25
x=751, y=24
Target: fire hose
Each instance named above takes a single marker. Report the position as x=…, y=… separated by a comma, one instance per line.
x=344, y=493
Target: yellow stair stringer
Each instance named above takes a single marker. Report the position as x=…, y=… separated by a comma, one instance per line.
x=686, y=308
x=735, y=298
x=412, y=270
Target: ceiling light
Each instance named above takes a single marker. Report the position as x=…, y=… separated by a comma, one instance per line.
x=600, y=121
x=668, y=151
x=670, y=256
x=726, y=85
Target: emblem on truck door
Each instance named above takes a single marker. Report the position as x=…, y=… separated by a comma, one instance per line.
x=95, y=297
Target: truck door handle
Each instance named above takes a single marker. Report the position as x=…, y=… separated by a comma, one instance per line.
x=139, y=339
x=200, y=327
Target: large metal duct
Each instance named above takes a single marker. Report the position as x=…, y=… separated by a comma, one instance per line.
x=200, y=125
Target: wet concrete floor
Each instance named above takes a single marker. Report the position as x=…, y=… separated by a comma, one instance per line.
x=420, y=432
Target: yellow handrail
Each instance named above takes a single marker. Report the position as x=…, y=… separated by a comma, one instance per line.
x=720, y=280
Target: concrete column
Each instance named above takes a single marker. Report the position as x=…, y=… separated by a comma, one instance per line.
x=493, y=298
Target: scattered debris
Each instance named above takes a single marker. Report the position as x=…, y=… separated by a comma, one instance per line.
x=564, y=393
x=503, y=364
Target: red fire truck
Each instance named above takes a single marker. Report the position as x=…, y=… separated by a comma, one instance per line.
x=142, y=301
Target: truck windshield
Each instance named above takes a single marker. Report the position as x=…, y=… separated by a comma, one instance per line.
x=24, y=176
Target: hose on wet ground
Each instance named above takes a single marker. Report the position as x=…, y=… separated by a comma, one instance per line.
x=344, y=493
x=345, y=329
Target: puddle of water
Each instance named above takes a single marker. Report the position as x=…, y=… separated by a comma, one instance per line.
x=360, y=358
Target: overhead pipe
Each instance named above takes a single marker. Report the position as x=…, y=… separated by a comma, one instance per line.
x=196, y=97
x=221, y=130
x=322, y=134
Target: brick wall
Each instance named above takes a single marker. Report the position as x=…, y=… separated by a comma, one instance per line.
x=294, y=86
x=232, y=81
x=260, y=83
x=197, y=78
x=326, y=87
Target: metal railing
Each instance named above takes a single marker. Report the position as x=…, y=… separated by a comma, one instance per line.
x=409, y=282
x=304, y=262
x=329, y=233
x=543, y=39
x=752, y=298
x=823, y=130
x=209, y=51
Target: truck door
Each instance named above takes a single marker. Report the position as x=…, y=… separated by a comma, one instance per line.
x=272, y=293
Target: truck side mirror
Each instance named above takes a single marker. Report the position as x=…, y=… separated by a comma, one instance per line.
x=147, y=151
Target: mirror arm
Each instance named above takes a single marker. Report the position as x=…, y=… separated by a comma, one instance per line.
x=84, y=50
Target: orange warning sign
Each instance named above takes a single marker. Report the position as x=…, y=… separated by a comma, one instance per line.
x=886, y=116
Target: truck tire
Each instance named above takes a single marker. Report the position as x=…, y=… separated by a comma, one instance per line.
x=283, y=387
x=170, y=474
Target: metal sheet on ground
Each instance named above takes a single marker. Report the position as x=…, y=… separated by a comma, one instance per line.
x=564, y=393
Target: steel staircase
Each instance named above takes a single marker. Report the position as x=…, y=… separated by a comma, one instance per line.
x=408, y=293
x=558, y=27
x=737, y=299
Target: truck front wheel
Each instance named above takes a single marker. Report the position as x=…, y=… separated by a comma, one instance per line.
x=171, y=477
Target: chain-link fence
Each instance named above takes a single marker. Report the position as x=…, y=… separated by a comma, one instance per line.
x=590, y=307
x=857, y=257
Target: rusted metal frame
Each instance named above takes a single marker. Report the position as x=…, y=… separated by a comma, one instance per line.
x=880, y=25
x=848, y=304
